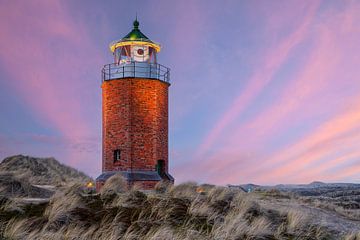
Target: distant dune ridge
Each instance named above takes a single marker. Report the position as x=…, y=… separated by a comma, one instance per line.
x=41, y=171
x=25, y=176
x=186, y=211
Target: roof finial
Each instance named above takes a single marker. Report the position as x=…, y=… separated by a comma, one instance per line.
x=136, y=22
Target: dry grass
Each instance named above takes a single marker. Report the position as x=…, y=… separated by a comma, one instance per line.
x=353, y=236
x=41, y=171
x=186, y=211
x=343, y=208
x=115, y=184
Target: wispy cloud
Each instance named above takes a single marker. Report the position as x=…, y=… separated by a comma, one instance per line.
x=299, y=93
x=318, y=94
x=323, y=170
x=271, y=63
x=48, y=80
x=289, y=159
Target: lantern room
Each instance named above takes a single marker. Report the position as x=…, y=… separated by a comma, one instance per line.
x=135, y=55
x=134, y=47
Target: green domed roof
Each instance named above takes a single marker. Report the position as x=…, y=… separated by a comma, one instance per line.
x=136, y=34
x=135, y=37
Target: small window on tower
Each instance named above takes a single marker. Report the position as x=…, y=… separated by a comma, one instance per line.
x=117, y=154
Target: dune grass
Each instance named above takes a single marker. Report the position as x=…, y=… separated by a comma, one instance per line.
x=185, y=211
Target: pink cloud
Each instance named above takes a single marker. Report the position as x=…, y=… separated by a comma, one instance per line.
x=299, y=93
x=347, y=174
x=272, y=62
x=288, y=157
x=325, y=62
x=318, y=171
x=42, y=48
x=29, y=60
x=323, y=72
x=309, y=166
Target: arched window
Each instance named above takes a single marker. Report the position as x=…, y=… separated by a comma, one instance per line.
x=117, y=155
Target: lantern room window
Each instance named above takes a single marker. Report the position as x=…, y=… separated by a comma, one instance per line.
x=122, y=55
x=138, y=53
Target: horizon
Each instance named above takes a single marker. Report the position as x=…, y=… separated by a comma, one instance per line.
x=255, y=96
x=224, y=185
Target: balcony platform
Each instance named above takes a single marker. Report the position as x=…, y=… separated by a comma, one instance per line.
x=135, y=70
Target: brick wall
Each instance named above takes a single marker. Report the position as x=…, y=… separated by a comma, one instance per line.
x=135, y=120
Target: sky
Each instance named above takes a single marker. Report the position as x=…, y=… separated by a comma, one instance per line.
x=265, y=92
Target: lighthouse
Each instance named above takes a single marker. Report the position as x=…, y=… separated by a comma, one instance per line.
x=135, y=113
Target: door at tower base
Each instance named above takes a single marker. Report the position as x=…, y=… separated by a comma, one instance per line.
x=144, y=179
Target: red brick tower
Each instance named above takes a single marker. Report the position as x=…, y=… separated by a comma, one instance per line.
x=135, y=113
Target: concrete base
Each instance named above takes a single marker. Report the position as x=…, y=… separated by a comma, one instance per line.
x=144, y=179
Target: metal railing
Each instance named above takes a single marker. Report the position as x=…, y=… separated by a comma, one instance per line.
x=135, y=70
